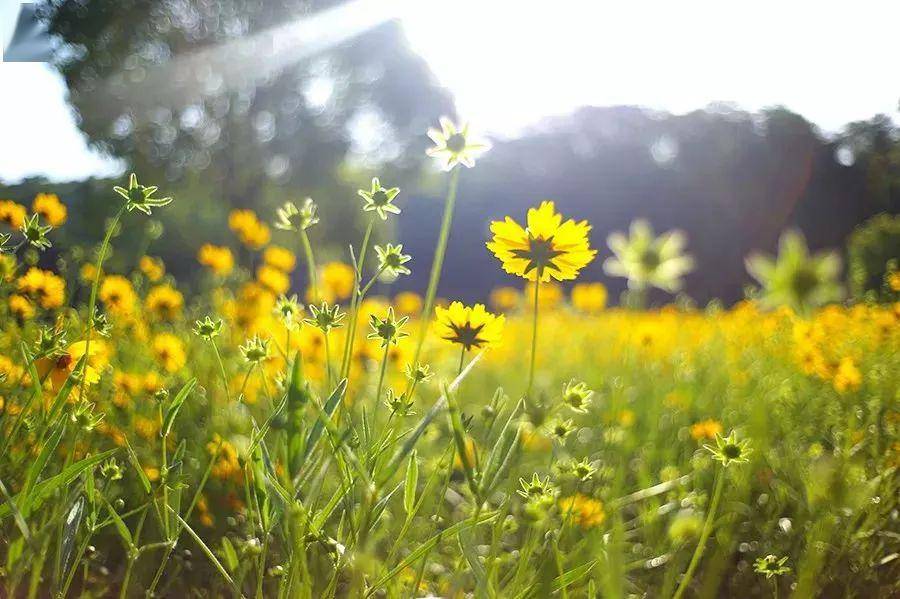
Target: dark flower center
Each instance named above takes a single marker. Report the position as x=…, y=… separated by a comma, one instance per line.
x=456, y=143
x=379, y=198
x=732, y=452
x=467, y=335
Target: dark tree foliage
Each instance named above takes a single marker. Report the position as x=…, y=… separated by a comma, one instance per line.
x=244, y=102
x=732, y=180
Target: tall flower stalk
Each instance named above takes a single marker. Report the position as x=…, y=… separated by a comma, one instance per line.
x=547, y=248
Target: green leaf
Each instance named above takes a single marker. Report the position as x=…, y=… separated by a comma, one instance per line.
x=465, y=543
x=429, y=545
x=120, y=525
x=17, y=515
x=462, y=447
x=328, y=409
x=412, y=480
x=206, y=551
x=501, y=456
x=228, y=551
x=176, y=404
x=70, y=531
x=37, y=467
x=573, y=575
x=47, y=487
x=136, y=464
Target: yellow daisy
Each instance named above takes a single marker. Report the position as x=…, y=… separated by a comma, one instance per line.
x=548, y=248
x=469, y=326
x=50, y=209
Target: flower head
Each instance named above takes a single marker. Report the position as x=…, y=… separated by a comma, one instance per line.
x=453, y=145
x=706, y=429
x=387, y=329
x=290, y=217
x=50, y=208
x=12, y=214
x=577, y=396
x=646, y=260
x=585, y=511
x=380, y=200
x=35, y=233
x=208, y=328
x=288, y=309
x=795, y=278
x=255, y=349
x=251, y=231
x=535, y=488
x=547, y=248
x=281, y=258
x=589, y=298
x=729, y=450
x=152, y=268
x=468, y=326
x=43, y=286
x=140, y=197
x=118, y=294
x=418, y=373
x=771, y=565
x=325, y=317
x=399, y=405
x=219, y=259
x=169, y=352
x=391, y=259
x=164, y=302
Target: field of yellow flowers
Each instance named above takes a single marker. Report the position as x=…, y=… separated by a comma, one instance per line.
x=258, y=439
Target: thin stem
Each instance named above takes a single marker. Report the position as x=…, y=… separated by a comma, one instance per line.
x=355, y=301
x=221, y=369
x=534, y=334
x=327, y=358
x=310, y=265
x=704, y=535
x=438, y=262
x=384, y=359
x=462, y=360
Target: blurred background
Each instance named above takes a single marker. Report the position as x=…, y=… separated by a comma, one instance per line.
x=731, y=121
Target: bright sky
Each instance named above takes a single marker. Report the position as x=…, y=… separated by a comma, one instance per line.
x=509, y=63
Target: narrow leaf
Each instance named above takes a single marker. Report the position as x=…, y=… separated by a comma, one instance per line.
x=176, y=404
x=412, y=480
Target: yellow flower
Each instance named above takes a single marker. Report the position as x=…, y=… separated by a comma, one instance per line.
x=146, y=427
x=153, y=268
x=408, y=303
x=12, y=214
x=894, y=280
x=50, y=209
x=589, y=298
x=87, y=272
x=337, y=277
x=585, y=511
x=469, y=326
x=217, y=258
x=58, y=369
x=847, y=378
x=164, y=302
x=706, y=429
x=547, y=248
x=505, y=299
x=551, y=295
x=250, y=230
x=281, y=258
x=273, y=279
x=44, y=287
x=169, y=352
x=117, y=294
x=21, y=307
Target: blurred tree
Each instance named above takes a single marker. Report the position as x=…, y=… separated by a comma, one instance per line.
x=243, y=102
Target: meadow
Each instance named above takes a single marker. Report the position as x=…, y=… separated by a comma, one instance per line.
x=259, y=439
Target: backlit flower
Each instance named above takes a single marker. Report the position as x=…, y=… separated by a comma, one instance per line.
x=337, y=278
x=291, y=217
x=646, y=260
x=453, y=145
x=140, y=197
x=391, y=260
x=273, y=279
x=21, y=307
x=387, y=330
x=547, y=248
x=706, y=429
x=380, y=200
x=468, y=326
x=585, y=511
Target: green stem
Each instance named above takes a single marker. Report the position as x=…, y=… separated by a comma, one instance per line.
x=310, y=265
x=534, y=335
x=437, y=264
x=327, y=359
x=462, y=360
x=355, y=300
x=704, y=535
x=384, y=358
